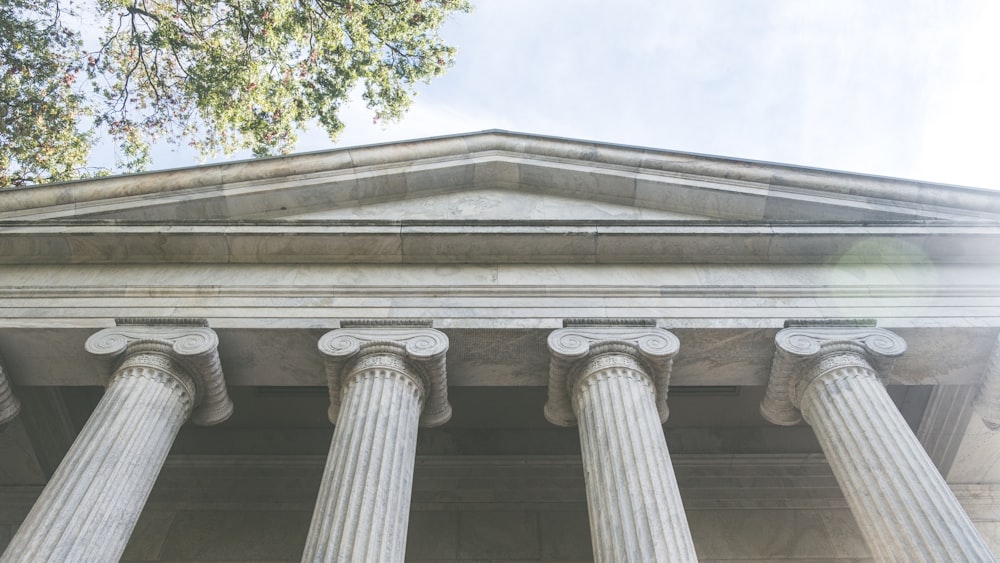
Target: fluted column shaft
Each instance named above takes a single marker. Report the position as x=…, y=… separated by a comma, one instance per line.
x=90, y=506
x=9, y=405
x=611, y=379
x=901, y=503
x=385, y=381
x=833, y=376
x=364, y=501
x=636, y=513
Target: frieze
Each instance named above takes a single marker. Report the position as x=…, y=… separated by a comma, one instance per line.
x=194, y=348
x=803, y=353
x=421, y=352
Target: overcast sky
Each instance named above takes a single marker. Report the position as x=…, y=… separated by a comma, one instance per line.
x=906, y=88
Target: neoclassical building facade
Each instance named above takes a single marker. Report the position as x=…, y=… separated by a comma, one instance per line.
x=499, y=347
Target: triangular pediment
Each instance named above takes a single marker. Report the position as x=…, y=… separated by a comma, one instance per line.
x=499, y=176
x=498, y=197
x=492, y=205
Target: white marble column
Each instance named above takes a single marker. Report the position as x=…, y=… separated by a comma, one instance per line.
x=384, y=383
x=9, y=405
x=163, y=375
x=612, y=382
x=833, y=377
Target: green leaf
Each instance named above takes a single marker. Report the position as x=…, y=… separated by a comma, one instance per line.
x=219, y=76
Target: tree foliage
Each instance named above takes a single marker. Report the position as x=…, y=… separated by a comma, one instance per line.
x=39, y=106
x=220, y=76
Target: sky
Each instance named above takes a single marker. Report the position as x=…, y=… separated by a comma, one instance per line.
x=902, y=88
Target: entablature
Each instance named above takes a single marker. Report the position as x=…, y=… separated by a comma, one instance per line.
x=419, y=242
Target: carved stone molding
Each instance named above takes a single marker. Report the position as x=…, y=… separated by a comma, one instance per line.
x=9, y=405
x=804, y=353
x=987, y=401
x=421, y=350
x=192, y=348
x=573, y=348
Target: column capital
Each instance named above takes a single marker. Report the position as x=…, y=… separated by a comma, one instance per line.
x=422, y=349
x=188, y=342
x=802, y=353
x=987, y=401
x=9, y=405
x=653, y=347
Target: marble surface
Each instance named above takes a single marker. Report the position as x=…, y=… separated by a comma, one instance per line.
x=413, y=203
x=803, y=352
x=703, y=185
x=387, y=241
x=632, y=495
x=493, y=205
x=420, y=351
x=924, y=285
x=90, y=506
x=270, y=316
x=978, y=457
x=280, y=356
x=191, y=349
x=833, y=377
x=9, y=405
x=384, y=381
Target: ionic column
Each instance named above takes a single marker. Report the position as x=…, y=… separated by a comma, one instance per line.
x=384, y=383
x=833, y=377
x=9, y=405
x=162, y=376
x=612, y=382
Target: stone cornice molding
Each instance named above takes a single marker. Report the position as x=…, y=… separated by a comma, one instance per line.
x=503, y=242
x=800, y=353
x=9, y=405
x=422, y=349
x=987, y=401
x=193, y=347
x=497, y=151
x=571, y=347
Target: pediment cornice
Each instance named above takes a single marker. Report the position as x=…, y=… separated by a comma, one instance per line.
x=713, y=187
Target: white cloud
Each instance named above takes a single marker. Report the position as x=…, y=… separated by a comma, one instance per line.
x=423, y=120
x=961, y=134
x=899, y=87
